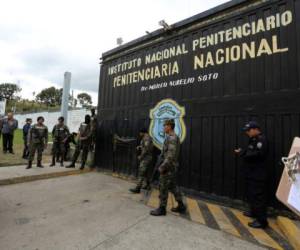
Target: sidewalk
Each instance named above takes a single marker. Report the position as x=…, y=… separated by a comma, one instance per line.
x=19, y=174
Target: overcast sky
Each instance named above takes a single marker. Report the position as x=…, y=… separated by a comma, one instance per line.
x=41, y=39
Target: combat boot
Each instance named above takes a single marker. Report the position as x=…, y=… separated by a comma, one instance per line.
x=29, y=165
x=258, y=224
x=82, y=166
x=39, y=164
x=62, y=163
x=53, y=162
x=135, y=190
x=147, y=186
x=72, y=165
x=248, y=214
x=181, y=208
x=161, y=211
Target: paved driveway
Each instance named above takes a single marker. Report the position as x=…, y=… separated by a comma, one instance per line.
x=95, y=211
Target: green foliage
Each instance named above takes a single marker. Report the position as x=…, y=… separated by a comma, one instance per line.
x=72, y=101
x=9, y=91
x=50, y=96
x=49, y=99
x=28, y=106
x=85, y=100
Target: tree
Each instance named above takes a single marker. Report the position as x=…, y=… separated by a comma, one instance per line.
x=50, y=96
x=9, y=91
x=58, y=96
x=84, y=99
x=72, y=101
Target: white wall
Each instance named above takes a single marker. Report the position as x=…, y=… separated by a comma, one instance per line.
x=75, y=117
x=2, y=107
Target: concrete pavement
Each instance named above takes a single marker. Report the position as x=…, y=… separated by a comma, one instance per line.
x=19, y=171
x=19, y=174
x=95, y=211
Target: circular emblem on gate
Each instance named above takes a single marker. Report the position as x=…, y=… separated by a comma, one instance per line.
x=166, y=109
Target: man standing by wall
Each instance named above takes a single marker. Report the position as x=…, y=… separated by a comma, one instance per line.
x=94, y=125
x=37, y=141
x=8, y=127
x=83, y=143
x=254, y=157
x=26, y=129
x=168, y=171
x=60, y=134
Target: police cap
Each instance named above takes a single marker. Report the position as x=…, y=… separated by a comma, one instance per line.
x=250, y=125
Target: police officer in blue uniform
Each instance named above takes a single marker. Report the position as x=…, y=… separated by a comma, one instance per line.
x=255, y=169
x=26, y=129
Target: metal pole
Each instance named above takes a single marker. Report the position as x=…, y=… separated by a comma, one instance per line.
x=65, y=97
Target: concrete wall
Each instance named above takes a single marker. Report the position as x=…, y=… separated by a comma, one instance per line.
x=75, y=117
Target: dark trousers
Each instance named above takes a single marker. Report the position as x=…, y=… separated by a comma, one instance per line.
x=7, y=140
x=58, y=150
x=26, y=150
x=39, y=147
x=168, y=183
x=257, y=199
x=85, y=151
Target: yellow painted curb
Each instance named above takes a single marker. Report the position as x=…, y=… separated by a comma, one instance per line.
x=22, y=179
x=222, y=220
x=291, y=231
x=194, y=211
x=259, y=234
x=221, y=215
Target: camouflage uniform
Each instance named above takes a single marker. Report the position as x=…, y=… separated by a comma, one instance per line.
x=59, y=134
x=70, y=139
x=145, y=159
x=85, y=130
x=167, y=180
x=37, y=138
x=94, y=123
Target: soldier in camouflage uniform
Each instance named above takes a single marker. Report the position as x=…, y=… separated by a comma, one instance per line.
x=145, y=159
x=37, y=141
x=60, y=133
x=84, y=142
x=168, y=169
x=94, y=124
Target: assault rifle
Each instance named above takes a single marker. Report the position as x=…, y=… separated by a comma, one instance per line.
x=155, y=173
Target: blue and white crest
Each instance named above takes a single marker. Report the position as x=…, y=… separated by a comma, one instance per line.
x=166, y=109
